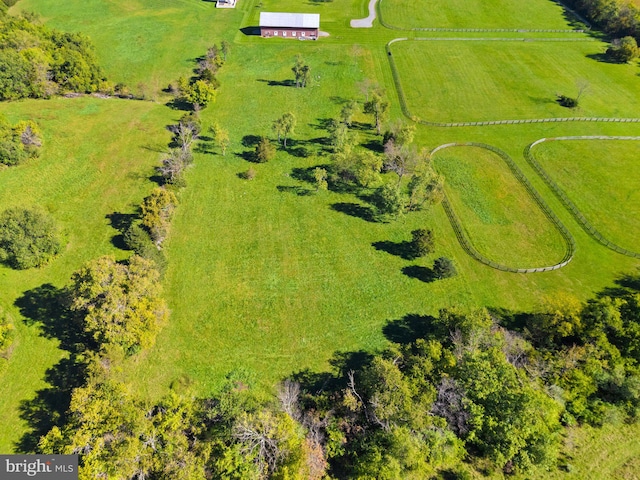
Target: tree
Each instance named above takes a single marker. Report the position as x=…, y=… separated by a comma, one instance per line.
x=443, y=267
x=157, y=210
x=401, y=159
x=378, y=107
x=28, y=238
x=284, y=126
x=265, y=151
x=320, y=176
x=225, y=47
x=422, y=242
x=220, y=137
x=348, y=111
x=302, y=72
x=118, y=304
x=623, y=50
x=401, y=133
x=174, y=164
x=19, y=142
x=367, y=166
x=426, y=187
x=388, y=200
x=199, y=94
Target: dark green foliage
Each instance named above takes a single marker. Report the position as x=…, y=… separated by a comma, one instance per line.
x=443, y=267
x=568, y=102
x=28, y=238
x=422, y=242
x=38, y=62
x=618, y=18
x=137, y=239
x=265, y=151
x=9, y=3
x=389, y=200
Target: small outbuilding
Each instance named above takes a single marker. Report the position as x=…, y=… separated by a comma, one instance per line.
x=290, y=25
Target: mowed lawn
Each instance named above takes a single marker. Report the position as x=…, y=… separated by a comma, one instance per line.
x=500, y=218
x=447, y=81
x=145, y=44
x=97, y=158
x=601, y=178
x=529, y=14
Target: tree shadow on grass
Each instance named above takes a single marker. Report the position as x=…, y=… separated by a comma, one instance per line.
x=424, y=274
x=47, y=306
x=400, y=249
x=278, y=83
x=411, y=327
x=604, y=58
x=295, y=189
x=355, y=210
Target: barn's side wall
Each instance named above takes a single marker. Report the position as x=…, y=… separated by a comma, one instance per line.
x=288, y=32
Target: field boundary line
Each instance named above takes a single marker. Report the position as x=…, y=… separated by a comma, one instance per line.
x=465, y=241
x=482, y=123
x=564, y=199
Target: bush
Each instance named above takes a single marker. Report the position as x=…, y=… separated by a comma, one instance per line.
x=250, y=174
x=28, y=238
x=137, y=239
x=568, y=102
x=623, y=50
x=443, y=267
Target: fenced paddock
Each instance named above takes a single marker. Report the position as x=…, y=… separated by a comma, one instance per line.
x=497, y=215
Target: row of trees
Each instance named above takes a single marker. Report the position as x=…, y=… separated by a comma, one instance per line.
x=618, y=18
x=201, y=90
x=18, y=142
x=38, y=62
x=449, y=393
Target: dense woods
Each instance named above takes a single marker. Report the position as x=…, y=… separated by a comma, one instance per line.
x=38, y=62
x=618, y=18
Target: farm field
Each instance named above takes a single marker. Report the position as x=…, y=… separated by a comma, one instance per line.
x=447, y=81
x=534, y=14
x=267, y=277
x=600, y=177
x=500, y=218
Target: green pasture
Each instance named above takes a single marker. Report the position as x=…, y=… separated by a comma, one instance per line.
x=447, y=81
x=601, y=179
x=530, y=14
x=268, y=277
x=144, y=43
x=500, y=218
x=96, y=161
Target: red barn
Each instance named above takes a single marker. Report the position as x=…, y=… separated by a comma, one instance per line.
x=290, y=25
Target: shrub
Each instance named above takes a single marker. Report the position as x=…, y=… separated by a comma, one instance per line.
x=250, y=174
x=568, y=102
x=137, y=239
x=28, y=238
x=443, y=267
x=6, y=332
x=623, y=50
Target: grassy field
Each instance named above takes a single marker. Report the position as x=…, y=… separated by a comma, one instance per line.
x=267, y=277
x=531, y=14
x=448, y=81
x=601, y=178
x=503, y=222
x=144, y=43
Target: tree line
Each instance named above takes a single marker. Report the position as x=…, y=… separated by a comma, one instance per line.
x=486, y=389
x=618, y=18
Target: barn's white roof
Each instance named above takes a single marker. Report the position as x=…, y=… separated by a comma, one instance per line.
x=293, y=20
